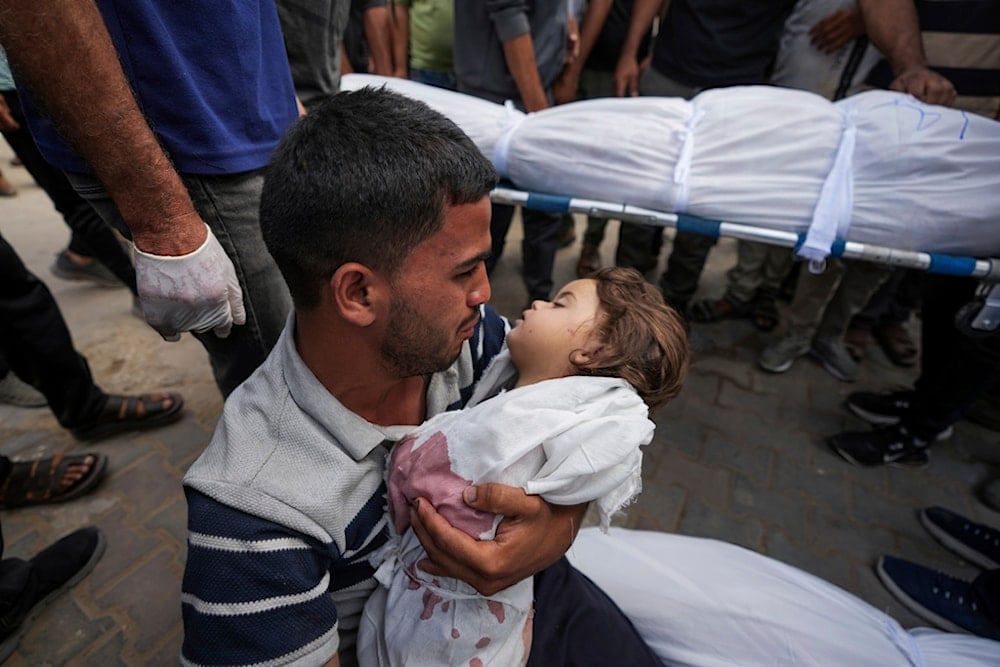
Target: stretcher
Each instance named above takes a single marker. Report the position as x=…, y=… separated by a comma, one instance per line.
x=877, y=177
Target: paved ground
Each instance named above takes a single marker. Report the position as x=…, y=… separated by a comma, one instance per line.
x=739, y=456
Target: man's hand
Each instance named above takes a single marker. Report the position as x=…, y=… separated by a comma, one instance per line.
x=532, y=536
x=565, y=87
x=197, y=291
x=7, y=122
x=926, y=85
x=627, y=77
x=572, y=41
x=834, y=31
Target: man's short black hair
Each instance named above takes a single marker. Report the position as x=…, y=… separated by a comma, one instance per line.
x=364, y=177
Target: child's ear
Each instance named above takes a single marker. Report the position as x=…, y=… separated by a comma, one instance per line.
x=588, y=355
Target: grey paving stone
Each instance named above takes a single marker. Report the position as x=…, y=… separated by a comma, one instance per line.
x=719, y=449
x=772, y=507
x=702, y=521
x=824, y=488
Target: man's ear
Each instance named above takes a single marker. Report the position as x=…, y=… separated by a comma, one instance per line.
x=354, y=289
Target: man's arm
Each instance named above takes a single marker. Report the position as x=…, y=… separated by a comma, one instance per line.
x=512, y=27
x=378, y=35
x=255, y=587
x=627, y=72
x=532, y=536
x=893, y=27
x=78, y=80
x=400, y=39
x=565, y=87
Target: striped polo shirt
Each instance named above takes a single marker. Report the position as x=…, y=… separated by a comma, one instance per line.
x=286, y=504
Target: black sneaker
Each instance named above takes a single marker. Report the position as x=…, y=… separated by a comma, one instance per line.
x=943, y=600
x=972, y=541
x=885, y=408
x=53, y=570
x=880, y=409
x=888, y=445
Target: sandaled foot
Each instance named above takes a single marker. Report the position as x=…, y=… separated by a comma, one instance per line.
x=131, y=413
x=897, y=344
x=764, y=314
x=720, y=309
x=53, y=480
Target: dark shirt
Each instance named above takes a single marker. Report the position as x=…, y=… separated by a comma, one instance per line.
x=710, y=43
x=607, y=48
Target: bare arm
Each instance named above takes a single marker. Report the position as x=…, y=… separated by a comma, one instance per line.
x=532, y=536
x=378, y=29
x=627, y=72
x=519, y=53
x=564, y=89
x=185, y=280
x=893, y=27
x=837, y=29
x=79, y=82
x=400, y=40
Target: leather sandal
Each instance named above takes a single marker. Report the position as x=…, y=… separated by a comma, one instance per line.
x=40, y=481
x=132, y=413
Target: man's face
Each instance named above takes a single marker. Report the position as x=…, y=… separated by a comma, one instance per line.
x=437, y=293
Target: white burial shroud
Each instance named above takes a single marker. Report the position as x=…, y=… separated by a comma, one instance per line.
x=878, y=168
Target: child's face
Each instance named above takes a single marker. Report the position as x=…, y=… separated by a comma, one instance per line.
x=545, y=336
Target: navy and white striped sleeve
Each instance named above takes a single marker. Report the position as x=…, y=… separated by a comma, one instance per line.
x=254, y=592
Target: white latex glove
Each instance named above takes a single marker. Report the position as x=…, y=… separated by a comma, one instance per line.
x=194, y=292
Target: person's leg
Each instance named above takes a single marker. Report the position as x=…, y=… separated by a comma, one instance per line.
x=747, y=275
x=684, y=266
x=229, y=205
x=541, y=241
x=590, y=250
x=804, y=314
x=576, y=623
x=955, y=369
x=860, y=280
x=500, y=218
x=37, y=345
x=638, y=246
x=91, y=235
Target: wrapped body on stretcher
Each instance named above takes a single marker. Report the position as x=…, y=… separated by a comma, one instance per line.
x=878, y=168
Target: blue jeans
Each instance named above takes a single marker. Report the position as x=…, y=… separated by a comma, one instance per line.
x=433, y=78
x=229, y=205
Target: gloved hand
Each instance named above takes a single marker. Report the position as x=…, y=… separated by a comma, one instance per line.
x=194, y=292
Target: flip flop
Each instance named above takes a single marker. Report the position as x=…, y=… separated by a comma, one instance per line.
x=39, y=482
x=132, y=413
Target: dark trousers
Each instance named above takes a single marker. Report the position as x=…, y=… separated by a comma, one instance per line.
x=91, y=235
x=955, y=369
x=538, y=249
x=577, y=625
x=36, y=344
x=894, y=301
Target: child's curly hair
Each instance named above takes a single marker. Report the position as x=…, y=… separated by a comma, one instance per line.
x=645, y=340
